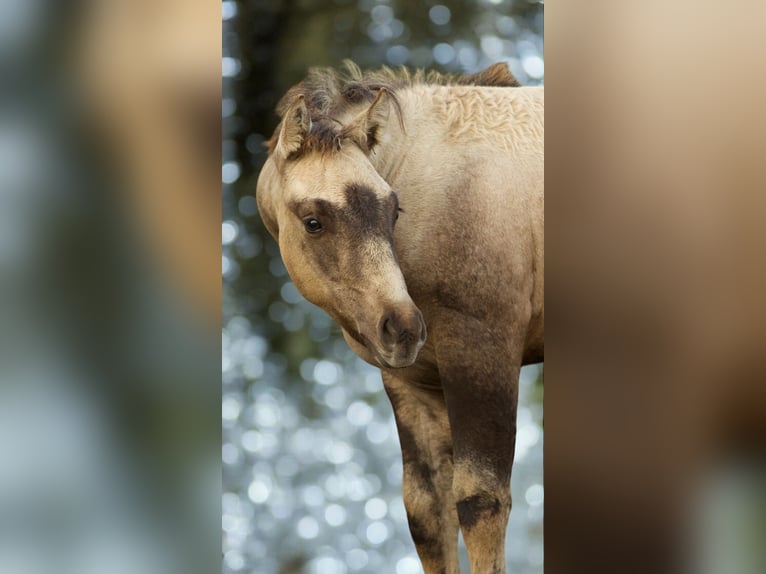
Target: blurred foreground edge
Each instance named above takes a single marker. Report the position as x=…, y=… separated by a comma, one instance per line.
x=110, y=287
x=655, y=401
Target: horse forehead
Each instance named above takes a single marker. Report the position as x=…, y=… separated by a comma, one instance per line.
x=338, y=184
x=354, y=199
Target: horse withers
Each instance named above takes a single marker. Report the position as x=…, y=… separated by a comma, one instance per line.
x=409, y=206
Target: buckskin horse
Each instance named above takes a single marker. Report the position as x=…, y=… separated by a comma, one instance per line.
x=410, y=207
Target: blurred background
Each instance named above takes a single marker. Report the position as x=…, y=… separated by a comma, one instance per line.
x=312, y=466
x=109, y=287
x=655, y=398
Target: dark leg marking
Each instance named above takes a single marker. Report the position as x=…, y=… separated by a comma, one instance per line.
x=471, y=509
x=421, y=421
x=412, y=455
x=481, y=400
x=422, y=538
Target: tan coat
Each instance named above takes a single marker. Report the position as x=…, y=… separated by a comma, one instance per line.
x=411, y=209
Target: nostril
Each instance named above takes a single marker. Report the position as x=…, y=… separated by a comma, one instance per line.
x=401, y=328
x=388, y=331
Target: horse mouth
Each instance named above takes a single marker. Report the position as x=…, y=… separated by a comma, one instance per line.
x=401, y=348
x=398, y=354
x=399, y=362
x=394, y=359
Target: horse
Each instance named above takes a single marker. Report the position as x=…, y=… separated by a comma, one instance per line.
x=410, y=207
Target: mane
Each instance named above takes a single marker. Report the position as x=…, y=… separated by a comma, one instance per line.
x=329, y=93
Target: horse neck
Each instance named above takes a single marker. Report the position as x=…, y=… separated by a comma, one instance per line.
x=398, y=142
x=442, y=122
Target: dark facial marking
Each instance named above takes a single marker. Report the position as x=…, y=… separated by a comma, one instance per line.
x=323, y=210
x=327, y=214
x=343, y=229
x=364, y=215
x=366, y=212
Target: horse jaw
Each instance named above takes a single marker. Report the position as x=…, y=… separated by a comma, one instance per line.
x=361, y=350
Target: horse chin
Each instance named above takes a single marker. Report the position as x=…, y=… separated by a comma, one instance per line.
x=399, y=360
x=370, y=353
x=397, y=363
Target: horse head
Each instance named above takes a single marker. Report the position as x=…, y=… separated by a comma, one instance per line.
x=333, y=217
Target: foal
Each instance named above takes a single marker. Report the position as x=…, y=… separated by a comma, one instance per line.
x=410, y=208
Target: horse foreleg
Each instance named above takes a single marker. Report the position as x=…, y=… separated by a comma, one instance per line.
x=483, y=507
x=481, y=400
x=424, y=434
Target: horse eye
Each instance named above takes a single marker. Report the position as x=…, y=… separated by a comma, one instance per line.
x=312, y=225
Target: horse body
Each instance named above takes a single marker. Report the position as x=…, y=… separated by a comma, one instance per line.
x=469, y=174
x=464, y=262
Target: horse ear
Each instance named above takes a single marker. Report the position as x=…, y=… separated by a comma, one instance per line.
x=296, y=124
x=363, y=129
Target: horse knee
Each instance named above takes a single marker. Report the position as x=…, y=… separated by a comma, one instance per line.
x=480, y=498
x=419, y=498
x=483, y=507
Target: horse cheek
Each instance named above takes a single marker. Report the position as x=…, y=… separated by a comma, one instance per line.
x=307, y=266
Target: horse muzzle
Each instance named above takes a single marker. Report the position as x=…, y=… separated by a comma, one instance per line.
x=401, y=333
